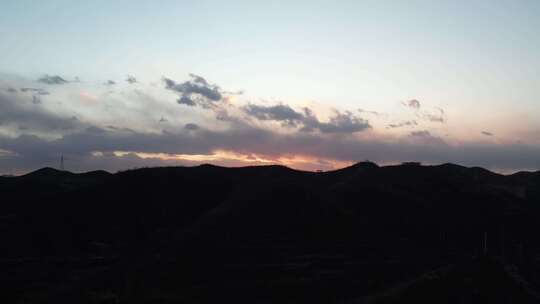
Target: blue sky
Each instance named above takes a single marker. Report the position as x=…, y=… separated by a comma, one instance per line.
x=474, y=62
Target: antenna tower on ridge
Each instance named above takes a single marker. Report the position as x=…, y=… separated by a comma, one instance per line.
x=62, y=162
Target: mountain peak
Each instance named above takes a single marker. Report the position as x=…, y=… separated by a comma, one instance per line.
x=47, y=172
x=365, y=164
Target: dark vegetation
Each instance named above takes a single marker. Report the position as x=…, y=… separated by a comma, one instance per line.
x=207, y=234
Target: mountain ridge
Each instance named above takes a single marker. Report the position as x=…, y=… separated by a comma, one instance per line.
x=268, y=233
x=362, y=164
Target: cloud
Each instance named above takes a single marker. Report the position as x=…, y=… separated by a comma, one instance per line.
x=186, y=100
x=196, y=91
x=17, y=111
x=436, y=115
x=34, y=135
x=52, y=79
x=130, y=79
x=223, y=115
x=33, y=152
x=338, y=123
x=370, y=112
x=11, y=90
x=435, y=118
x=413, y=103
x=110, y=83
x=198, y=79
x=424, y=137
x=37, y=91
x=191, y=126
x=280, y=112
x=408, y=123
x=423, y=133
x=487, y=133
x=239, y=92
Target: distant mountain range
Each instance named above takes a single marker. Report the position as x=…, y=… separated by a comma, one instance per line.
x=270, y=234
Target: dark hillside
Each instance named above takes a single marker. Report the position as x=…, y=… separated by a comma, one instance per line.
x=261, y=234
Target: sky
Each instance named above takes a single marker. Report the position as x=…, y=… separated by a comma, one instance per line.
x=314, y=85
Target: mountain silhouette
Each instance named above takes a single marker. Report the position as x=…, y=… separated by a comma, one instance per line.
x=269, y=234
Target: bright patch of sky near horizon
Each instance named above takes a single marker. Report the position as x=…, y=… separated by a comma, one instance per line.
x=477, y=60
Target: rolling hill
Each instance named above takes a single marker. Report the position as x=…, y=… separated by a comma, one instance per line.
x=266, y=234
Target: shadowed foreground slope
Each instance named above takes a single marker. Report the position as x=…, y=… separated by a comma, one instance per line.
x=269, y=234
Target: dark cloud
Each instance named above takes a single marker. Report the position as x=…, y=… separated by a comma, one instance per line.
x=413, y=103
x=169, y=83
x=425, y=137
x=52, y=79
x=486, y=133
x=191, y=126
x=131, y=80
x=339, y=123
x=223, y=115
x=110, y=83
x=186, y=100
x=11, y=90
x=28, y=152
x=198, y=79
x=437, y=116
x=280, y=112
x=37, y=91
x=196, y=91
x=17, y=111
x=91, y=147
x=370, y=112
x=118, y=129
x=33, y=152
x=423, y=133
x=408, y=123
